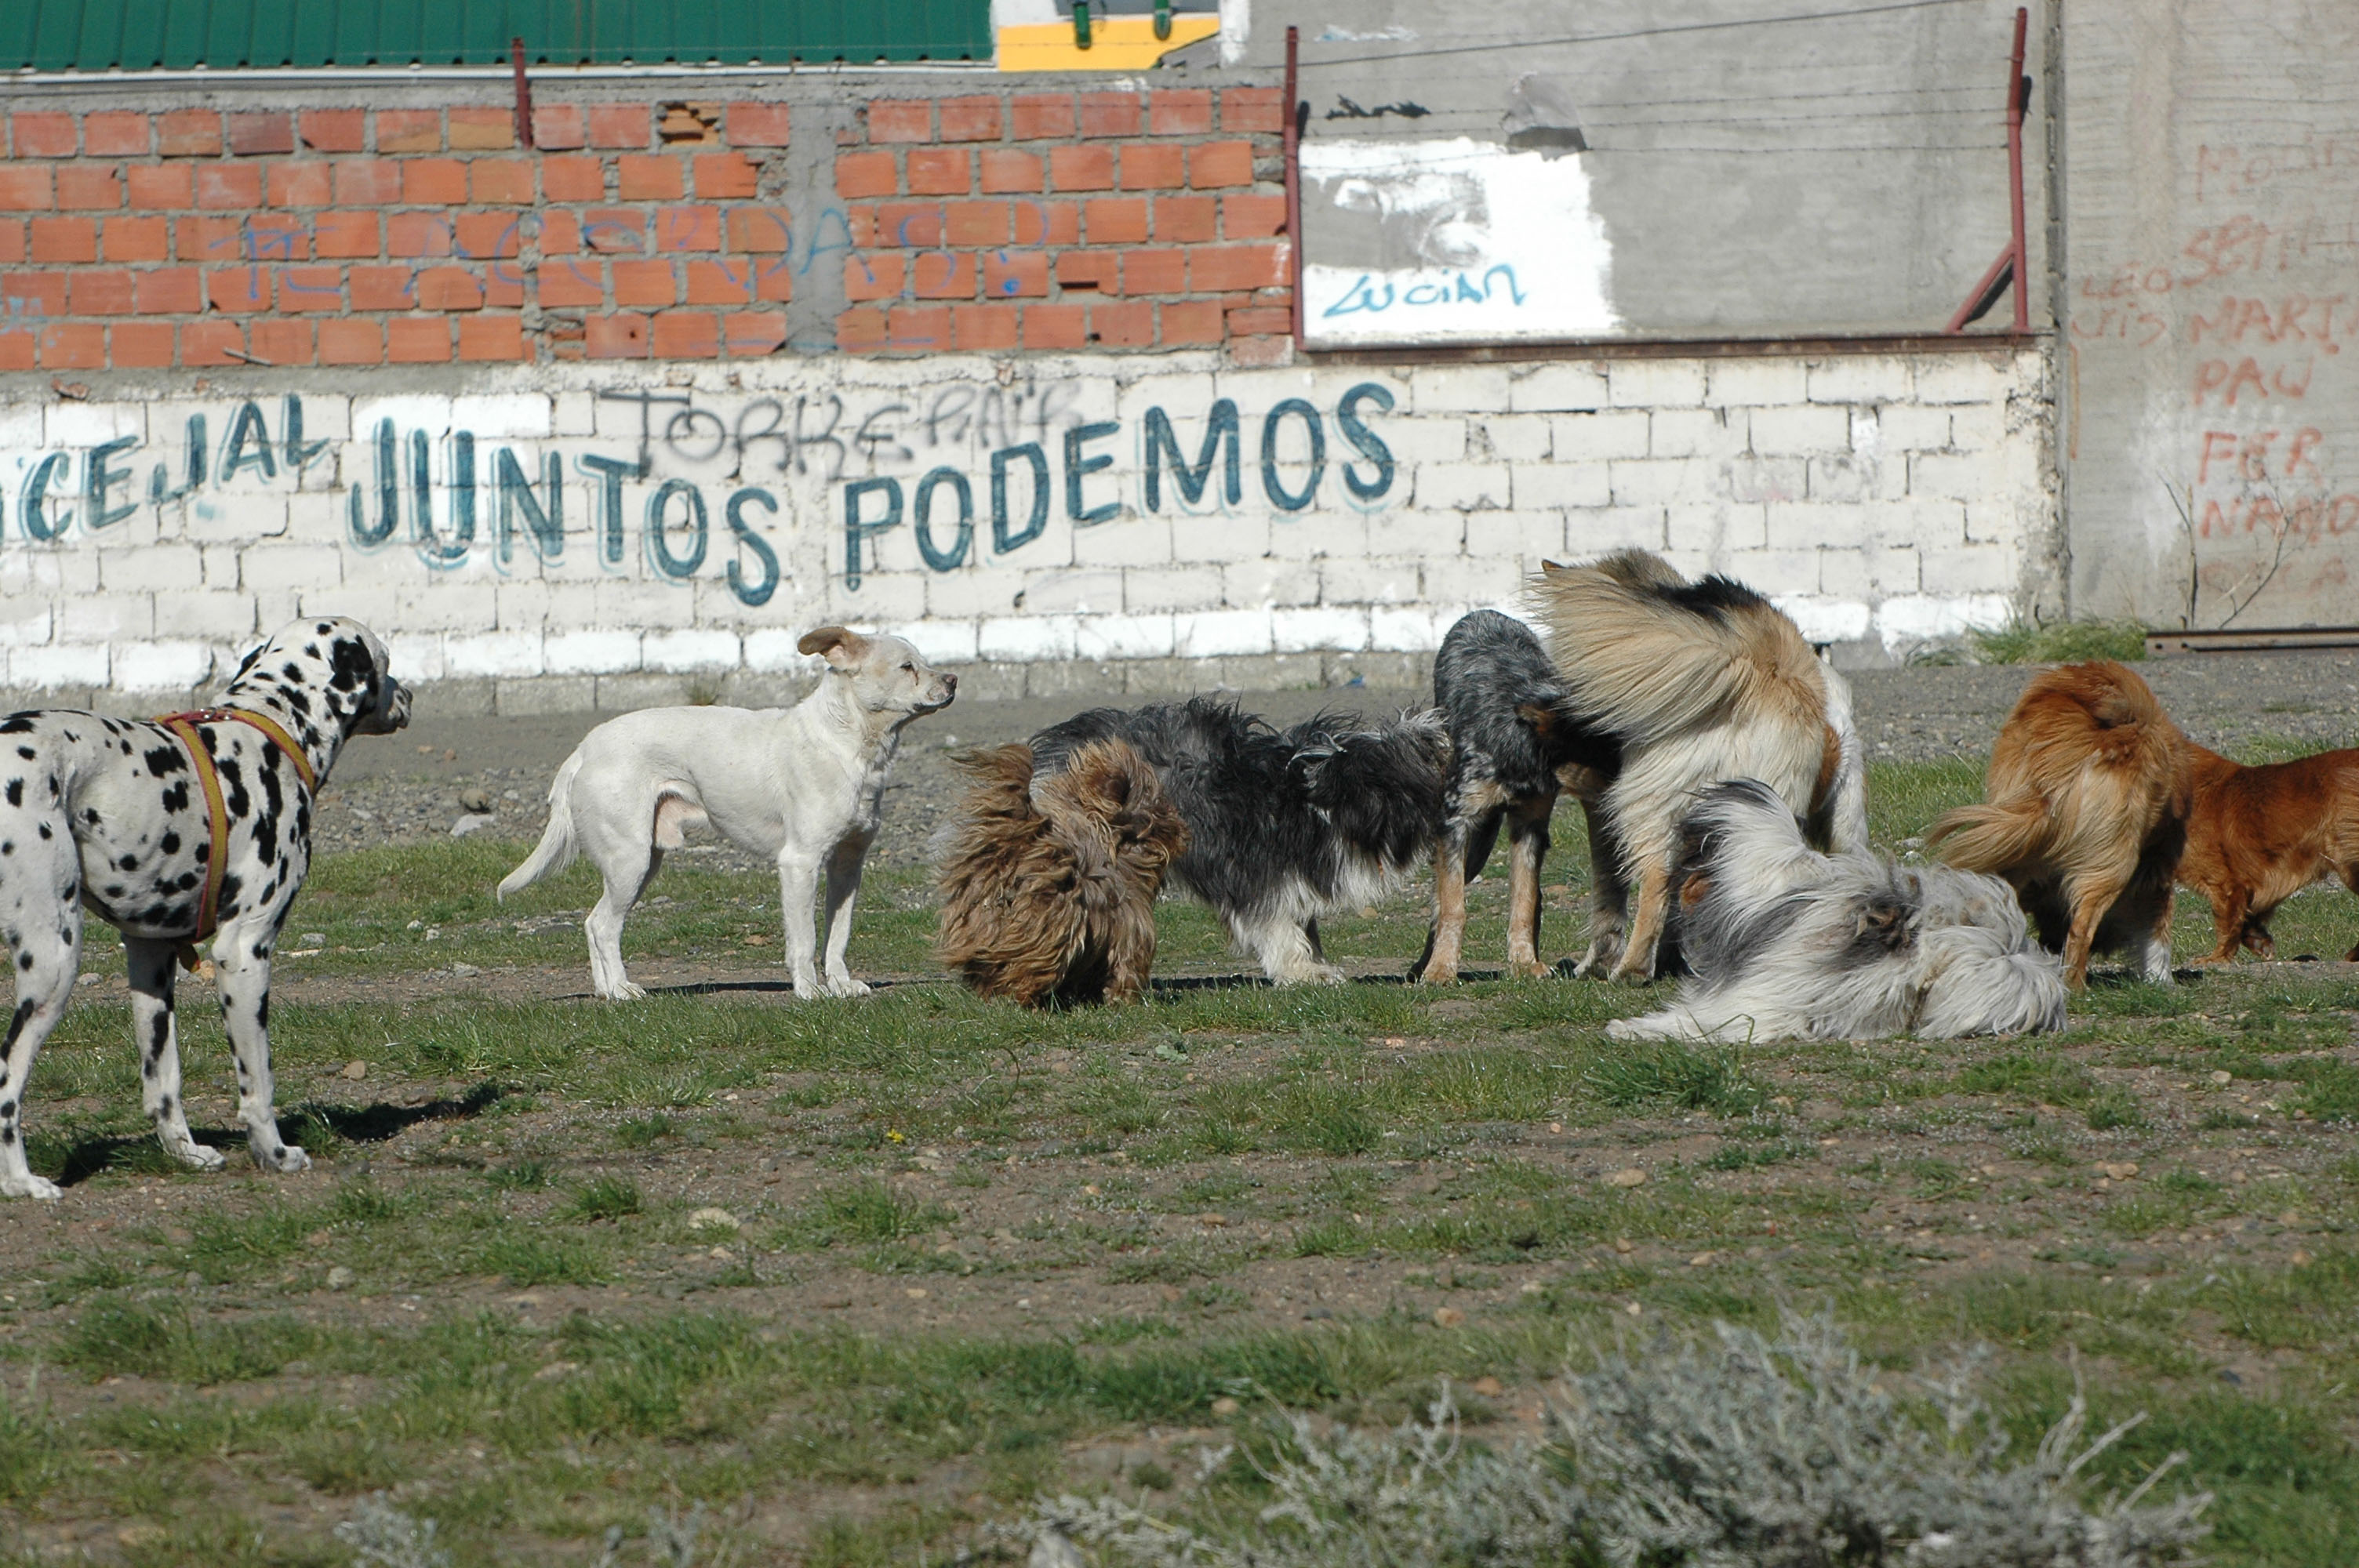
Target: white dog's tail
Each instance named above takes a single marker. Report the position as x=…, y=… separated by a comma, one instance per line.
x=555, y=850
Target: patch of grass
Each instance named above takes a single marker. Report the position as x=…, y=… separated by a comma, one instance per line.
x=864, y=1211
x=604, y=1197
x=1678, y=1073
x=2060, y=642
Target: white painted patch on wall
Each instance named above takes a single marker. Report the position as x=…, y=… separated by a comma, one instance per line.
x=1470, y=242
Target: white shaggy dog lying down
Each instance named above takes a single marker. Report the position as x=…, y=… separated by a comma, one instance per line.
x=1786, y=943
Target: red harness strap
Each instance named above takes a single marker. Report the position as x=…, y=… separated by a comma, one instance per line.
x=184, y=726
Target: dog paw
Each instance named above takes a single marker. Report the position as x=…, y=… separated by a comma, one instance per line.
x=626, y=991
x=1436, y=975
x=30, y=1186
x=1529, y=969
x=195, y=1155
x=286, y=1160
x=844, y=985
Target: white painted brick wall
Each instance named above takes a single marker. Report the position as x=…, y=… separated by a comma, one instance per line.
x=1885, y=497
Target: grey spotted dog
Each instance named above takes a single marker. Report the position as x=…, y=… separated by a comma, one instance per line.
x=174, y=831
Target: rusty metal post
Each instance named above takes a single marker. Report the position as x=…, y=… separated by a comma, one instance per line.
x=523, y=95
x=2009, y=267
x=1294, y=186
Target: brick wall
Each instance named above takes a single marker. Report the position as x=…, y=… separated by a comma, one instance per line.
x=194, y=236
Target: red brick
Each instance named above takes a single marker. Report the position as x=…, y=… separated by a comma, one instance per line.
x=1154, y=167
x=26, y=191
x=418, y=341
x=33, y=294
x=1213, y=269
x=1185, y=220
x=90, y=188
x=409, y=131
x=168, y=188
x=306, y=184
x=919, y=327
x=418, y=234
x=280, y=342
x=133, y=345
x=497, y=337
x=212, y=343
x=481, y=130
x=766, y=230
x=686, y=335
x=137, y=239
x=856, y=331
x=645, y=283
x=865, y=174
x=115, y=133
x=188, y=133
x=1043, y=116
x=940, y=171
x=970, y=119
x=1080, y=169
x=504, y=286
x=652, y=178
x=1116, y=221
x=229, y=187
x=65, y=239
x=981, y=327
x=238, y=291
x=1186, y=111
x=427, y=181
x=560, y=231
x=367, y=182
x=351, y=343
x=720, y=283
x=384, y=288
x=687, y=228
x=18, y=351
x=1021, y=275
x=978, y=223
x=1089, y=270
x=942, y=275
x=345, y=234
x=73, y=345
x=756, y=124
x=333, y=130
x=1155, y=272
x=1007, y=172
x=615, y=230
x=99, y=292
x=557, y=127
x=901, y=120
x=307, y=289
x=170, y=291
x=43, y=134
x=621, y=126
x=751, y=333
x=1048, y=224
x=1111, y=113
x=570, y=283
x=256, y=135
x=907, y=224
x=1253, y=109
x=1212, y=165
x=875, y=275
x=1056, y=325
x=773, y=280
x=503, y=181
x=481, y=236
x=1189, y=321
x=725, y=177
x=1245, y=215
x=573, y=180
x=1129, y=324
x=12, y=240
x=1254, y=320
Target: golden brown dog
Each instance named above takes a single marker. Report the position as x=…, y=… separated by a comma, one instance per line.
x=1049, y=895
x=2085, y=812
x=2259, y=835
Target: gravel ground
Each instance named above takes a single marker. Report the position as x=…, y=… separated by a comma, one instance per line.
x=412, y=786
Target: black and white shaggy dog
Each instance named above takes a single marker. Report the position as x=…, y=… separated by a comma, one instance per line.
x=118, y=815
x=1515, y=743
x=1786, y=943
x=1283, y=826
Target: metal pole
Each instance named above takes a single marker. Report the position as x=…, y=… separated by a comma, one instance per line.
x=1294, y=186
x=2017, y=91
x=523, y=95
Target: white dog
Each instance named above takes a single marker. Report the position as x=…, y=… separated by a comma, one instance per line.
x=804, y=786
x=1786, y=943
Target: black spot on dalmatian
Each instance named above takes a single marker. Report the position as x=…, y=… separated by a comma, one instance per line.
x=262, y=1008
x=24, y=960
x=15, y=791
x=15, y=1027
x=89, y=815
x=17, y=723
x=170, y=843
x=114, y=890
x=176, y=799
x=46, y=834
x=162, y=759
x=26, y=752
x=128, y=863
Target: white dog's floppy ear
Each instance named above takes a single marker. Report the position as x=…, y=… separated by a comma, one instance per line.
x=840, y=646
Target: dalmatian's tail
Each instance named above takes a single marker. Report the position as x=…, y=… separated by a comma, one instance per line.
x=555, y=850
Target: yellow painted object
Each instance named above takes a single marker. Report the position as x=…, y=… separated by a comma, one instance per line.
x=1116, y=43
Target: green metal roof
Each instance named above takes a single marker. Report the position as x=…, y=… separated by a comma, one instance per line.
x=178, y=35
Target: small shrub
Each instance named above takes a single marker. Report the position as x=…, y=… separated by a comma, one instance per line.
x=1692, y=1077
x=2060, y=642
x=606, y=1197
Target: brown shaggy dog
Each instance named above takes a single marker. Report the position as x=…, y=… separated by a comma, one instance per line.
x=2085, y=812
x=1049, y=895
x=2259, y=835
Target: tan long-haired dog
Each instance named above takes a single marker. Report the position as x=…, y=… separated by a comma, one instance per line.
x=1699, y=682
x=2085, y=811
x=1048, y=892
x=2259, y=835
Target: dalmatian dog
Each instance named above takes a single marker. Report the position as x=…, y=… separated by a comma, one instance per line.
x=112, y=815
